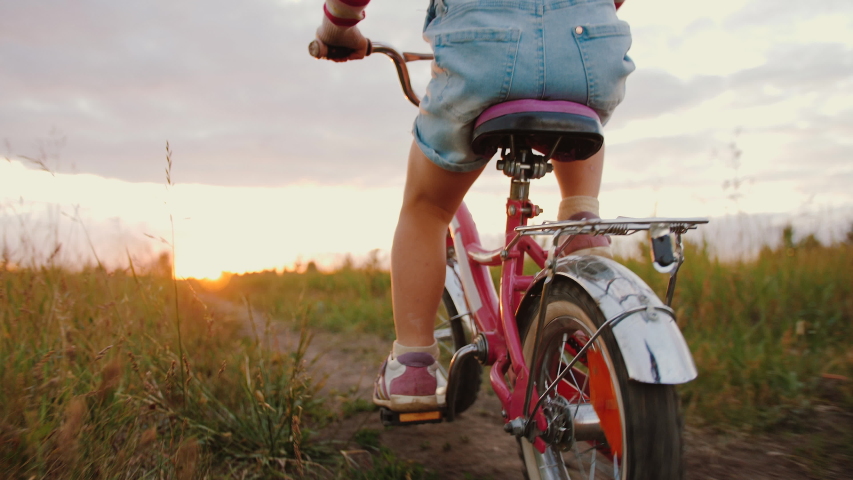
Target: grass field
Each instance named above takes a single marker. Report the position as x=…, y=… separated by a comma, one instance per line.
x=772, y=336
x=130, y=374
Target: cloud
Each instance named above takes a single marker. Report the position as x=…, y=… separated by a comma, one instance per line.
x=232, y=89
x=659, y=157
x=796, y=70
x=784, y=12
x=654, y=92
x=790, y=70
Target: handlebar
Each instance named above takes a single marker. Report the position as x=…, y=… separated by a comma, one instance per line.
x=318, y=49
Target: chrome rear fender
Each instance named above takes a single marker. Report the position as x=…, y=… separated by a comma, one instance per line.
x=650, y=342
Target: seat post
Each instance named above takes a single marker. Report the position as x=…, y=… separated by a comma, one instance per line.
x=522, y=165
x=519, y=189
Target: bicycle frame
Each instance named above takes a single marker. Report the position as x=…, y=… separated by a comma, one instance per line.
x=654, y=350
x=493, y=315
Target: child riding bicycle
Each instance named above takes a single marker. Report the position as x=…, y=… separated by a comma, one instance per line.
x=486, y=52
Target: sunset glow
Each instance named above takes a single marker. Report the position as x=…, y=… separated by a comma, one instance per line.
x=280, y=159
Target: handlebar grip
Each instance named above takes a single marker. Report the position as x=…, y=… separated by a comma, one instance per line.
x=318, y=49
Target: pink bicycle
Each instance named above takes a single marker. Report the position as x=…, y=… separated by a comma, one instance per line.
x=584, y=357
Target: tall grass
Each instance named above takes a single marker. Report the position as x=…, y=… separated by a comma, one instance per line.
x=91, y=383
x=351, y=299
x=772, y=336
x=99, y=380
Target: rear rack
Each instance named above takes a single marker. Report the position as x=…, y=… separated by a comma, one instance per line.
x=667, y=252
x=616, y=226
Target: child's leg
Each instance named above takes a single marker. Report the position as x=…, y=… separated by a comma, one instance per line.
x=431, y=197
x=581, y=178
x=409, y=379
x=579, y=186
x=418, y=256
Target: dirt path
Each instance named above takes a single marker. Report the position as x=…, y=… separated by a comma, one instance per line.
x=475, y=445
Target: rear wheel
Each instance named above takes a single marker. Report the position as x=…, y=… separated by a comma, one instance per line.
x=640, y=424
x=453, y=330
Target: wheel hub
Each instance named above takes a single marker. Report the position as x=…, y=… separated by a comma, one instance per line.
x=568, y=423
x=560, y=431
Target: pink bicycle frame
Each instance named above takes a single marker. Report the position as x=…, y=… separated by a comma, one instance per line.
x=494, y=315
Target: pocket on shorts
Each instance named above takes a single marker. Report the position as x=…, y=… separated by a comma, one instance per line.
x=604, y=49
x=473, y=68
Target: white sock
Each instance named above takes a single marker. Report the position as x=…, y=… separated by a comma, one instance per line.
x=399, y=349
x=572, y=205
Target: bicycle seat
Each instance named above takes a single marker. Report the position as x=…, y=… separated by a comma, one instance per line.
x=540, y=124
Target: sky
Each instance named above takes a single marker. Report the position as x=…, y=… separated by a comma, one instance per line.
x=736, y=107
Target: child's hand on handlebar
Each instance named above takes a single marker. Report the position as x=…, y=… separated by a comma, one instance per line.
x=348, y=40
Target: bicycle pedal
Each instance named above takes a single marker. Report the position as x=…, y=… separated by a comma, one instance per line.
x=390, y=418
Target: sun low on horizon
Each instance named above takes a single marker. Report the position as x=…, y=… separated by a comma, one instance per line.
x=219, y=231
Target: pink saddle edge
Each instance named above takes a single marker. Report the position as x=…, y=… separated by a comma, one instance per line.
x=530, y=105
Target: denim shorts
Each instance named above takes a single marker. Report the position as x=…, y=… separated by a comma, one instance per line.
x=492, y=51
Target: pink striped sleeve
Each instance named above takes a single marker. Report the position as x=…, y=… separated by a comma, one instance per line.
x=345, y=13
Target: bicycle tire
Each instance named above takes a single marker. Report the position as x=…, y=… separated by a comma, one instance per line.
x=649, y=426
x=451, y=334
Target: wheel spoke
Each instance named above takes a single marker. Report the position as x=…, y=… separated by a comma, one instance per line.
x=580, y=396
x=443, y=334
x=573, y=386
x=592, y=466
x=615, y=466
x=579, y=458
x=562, y=354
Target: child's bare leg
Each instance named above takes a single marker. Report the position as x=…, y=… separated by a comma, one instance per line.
x=580, y=178
x=410, y=379
x=580, y=183
x=431, y=197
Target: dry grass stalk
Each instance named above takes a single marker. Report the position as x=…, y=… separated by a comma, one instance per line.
x=170, y=376
x=38, y=373
x=187, y=370
x=297, y=439
x=69, y=432
x=103, y=352
x=110, y=377
x=358, y=459
x=186, y=459
x=134, y=365
x=147, y=438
